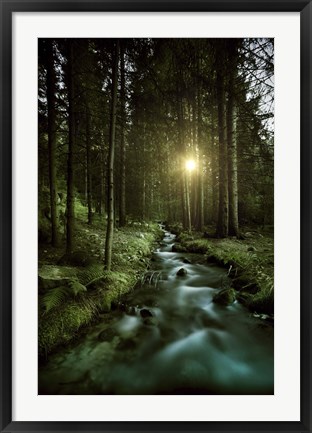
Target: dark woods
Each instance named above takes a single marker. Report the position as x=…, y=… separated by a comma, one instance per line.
x=120, y=119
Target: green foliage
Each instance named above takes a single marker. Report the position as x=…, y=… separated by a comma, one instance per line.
x=76, y=287
x=251, y=260
x=55, y=297
x=91, y=274
x=62, y=324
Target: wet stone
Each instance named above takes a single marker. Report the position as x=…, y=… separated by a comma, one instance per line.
x=224, y=297
x=186, y=261
x=182, y=272
x=145, y=313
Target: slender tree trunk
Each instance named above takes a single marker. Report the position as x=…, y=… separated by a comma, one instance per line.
x=144, y=195
x=232, y=166
x=102, y=183
x=122, y=204
x=214, y=171
x=183, y=180
x=110, y=210
x=52, y=142
x=188, y=206
x=70, y=158
x=222, y=225
x=89, y=174
x=200, y=198
x=232, y=145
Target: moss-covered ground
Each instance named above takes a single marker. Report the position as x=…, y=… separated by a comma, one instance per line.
x=250, y=262
x=75, y=290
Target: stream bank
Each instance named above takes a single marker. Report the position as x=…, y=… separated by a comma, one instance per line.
x=249, y=262
x=74, y=290
x=171, y=338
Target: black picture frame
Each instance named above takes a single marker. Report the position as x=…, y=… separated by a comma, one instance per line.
x=7, y=9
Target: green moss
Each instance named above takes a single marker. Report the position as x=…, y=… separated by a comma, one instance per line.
x=250, y=263
x=131, y=249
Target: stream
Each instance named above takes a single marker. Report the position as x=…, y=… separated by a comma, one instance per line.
x=171, y=339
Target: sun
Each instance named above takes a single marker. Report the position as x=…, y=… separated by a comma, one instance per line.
x=190, y=164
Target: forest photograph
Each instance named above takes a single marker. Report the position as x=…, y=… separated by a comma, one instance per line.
x=156, y=216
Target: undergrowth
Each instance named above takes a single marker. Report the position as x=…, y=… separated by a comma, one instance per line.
x=249, y=262
x=90, y=290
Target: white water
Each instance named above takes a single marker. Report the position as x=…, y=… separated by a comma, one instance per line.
x=190, y=345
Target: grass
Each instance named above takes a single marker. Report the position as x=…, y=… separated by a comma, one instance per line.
x=69, y=309
x=249, y=261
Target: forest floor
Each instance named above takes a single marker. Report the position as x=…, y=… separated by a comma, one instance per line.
x=250, y=263
x=75, y=289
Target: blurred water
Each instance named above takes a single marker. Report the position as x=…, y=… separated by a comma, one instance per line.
x=180, y=343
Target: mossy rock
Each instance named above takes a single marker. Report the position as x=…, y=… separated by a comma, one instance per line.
x=45, y=283
x=225, y=297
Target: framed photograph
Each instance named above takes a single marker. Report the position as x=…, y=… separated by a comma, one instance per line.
x=155, y=216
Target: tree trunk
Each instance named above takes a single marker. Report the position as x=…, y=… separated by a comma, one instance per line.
x=214, y=171
x=183, y=180
x=232, y=145
x=222, y=225
x=70, y=157
x=52, y=142
x=110, y=168
x=122, y=204
x=200, y=196
x=89, y=175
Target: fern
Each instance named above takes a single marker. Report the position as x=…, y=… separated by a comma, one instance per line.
x=54, y=298
x=91, y=274
x=76, y=287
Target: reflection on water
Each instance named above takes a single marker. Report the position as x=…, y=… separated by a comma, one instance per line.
x=176, y=341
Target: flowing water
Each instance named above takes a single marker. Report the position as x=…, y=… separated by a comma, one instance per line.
x=172, y=339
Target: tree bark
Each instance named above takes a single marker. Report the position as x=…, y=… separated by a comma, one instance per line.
x=232, y=144
x=89, y=174
x=111, y=154
x=122, y=204
x=200, y=198
x=52, y=142
x=222, y=225
x=70, y=157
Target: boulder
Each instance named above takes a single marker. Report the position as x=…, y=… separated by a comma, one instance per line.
x=145, y=313
x=45, y=283
x=182, y=272
x=224, y=297
x=186, y=261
